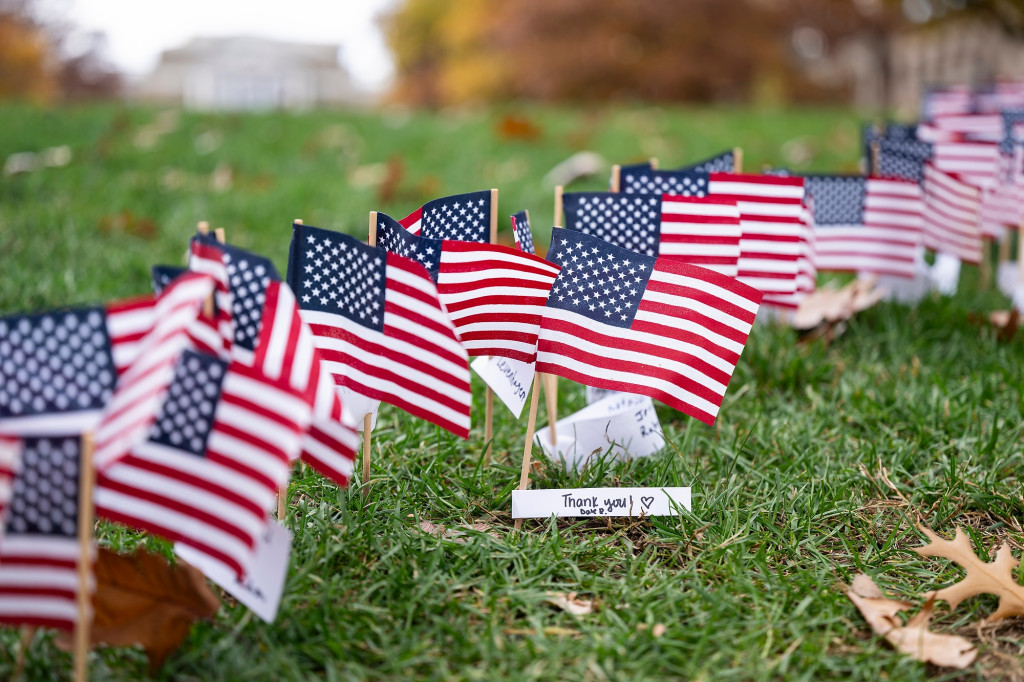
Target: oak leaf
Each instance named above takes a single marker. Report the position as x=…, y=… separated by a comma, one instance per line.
x=142, y=599
x=914, y=638
x=982, y=577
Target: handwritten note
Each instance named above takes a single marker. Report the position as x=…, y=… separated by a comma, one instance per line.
x=626, y=424
x=945, y=274
x=261, y=590
x=560, y=502
x=594, y=394
x=509, y=379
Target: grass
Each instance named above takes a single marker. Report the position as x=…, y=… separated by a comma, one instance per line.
x=822, y=461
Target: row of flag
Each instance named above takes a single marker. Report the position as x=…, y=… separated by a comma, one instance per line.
x=181, y=413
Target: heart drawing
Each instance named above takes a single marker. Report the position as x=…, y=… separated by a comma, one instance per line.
x=647, y=501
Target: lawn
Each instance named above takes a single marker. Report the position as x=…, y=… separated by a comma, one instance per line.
x=823, y=459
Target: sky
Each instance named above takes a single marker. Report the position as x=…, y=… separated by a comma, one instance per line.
x=138, y=30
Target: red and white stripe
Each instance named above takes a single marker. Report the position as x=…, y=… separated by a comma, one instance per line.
x=208, y=259
x=414, y=221
x=955, y=100
x=807, y=269
x=701, y=231
x=286, y=350
x=216, y=504
x=888, y=241
x=951, y=216
x=417, y=362
x=495, y=297
x=128, y=323
x=770, y=221
x=977, y=127
x=10, y=456
x=141, y=387
x=976, y=163
x=1002, y=206
x=681, y=348
x=39, y=581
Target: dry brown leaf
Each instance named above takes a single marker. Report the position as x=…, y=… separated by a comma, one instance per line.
x=570, y=603
x=455, y=534
x=914, y=638
x=142, y=599
x=829, y=305
x=994, y=577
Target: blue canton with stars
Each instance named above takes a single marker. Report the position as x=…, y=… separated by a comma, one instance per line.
x=334, y=273
x=632, y=221
x=394, y=238
x=186, y=417
x=248, y=278
x=463, y=217
x=598, y=280
x=838, y=199
x=44, y=500
x=55, y=362
x=721, y=163
x=1011, y=119
x=521, y=224
x=903, y=159
x=684, y=183
x=163, y=275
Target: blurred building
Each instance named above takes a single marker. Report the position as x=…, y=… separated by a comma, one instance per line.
x=245, y=73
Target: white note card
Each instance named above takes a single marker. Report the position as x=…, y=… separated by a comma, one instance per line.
x=509, y=379
x=358, y=405
x=262, y=588
x=624, y=422
x=561, y=502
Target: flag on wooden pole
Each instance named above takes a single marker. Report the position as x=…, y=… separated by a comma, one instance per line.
x=463, y=217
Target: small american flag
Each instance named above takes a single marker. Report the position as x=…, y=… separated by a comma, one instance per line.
x=973, y=127
x=903, y=159
x=58, y=369
x=163, y=275
x=1012, y=121
x=896, y=132
x=522, y=232
x=951, y=215
x=976, y=163
x=380, y=327
x=723, y=162
x=952, y=100
x=698, y=230
x=652, y=326
x=463, y=217
x=867, y=224
x=40, y=551
x=494, y=295
x=644, y=179
x=10, y=456
x=216, y=453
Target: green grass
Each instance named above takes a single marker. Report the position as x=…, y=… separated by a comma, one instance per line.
x=789, y=496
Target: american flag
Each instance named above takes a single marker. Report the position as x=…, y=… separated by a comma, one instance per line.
x=1002, y=204
x=723, y=162
x=976, y=163
x=625, y=321
x=699, y=230
x=522, y=232
x=58, y=369
x=807, y=270
x=866, y=224
x=215, y=455
x=1004, y=96
x=464, y=217
x=951, y=216
x=952, y=100
x=903, y=159
x=1013, y=121
x=973, y=127
x=40, y=551
x=267, y=332
x=494, y=295
x=644, y=179
x=871, y=133
x=10, y=456
x=163, y=275
x=379, y=325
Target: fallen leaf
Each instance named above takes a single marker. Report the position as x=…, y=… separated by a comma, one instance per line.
x=511, y=127
x=142, y=599
x=570, y=603
x=658, y=630
x=994, y=577
x=456, y=534
x=914, y=638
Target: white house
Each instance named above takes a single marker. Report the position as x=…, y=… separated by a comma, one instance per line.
x=246, y=72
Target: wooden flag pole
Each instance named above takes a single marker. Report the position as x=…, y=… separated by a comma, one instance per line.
x=551, y=380
x=1020, y=254
x=86, y=481
x=203, y=228
x=654, y=162
x=371, y=239
x=985, y=266
x=488, y=391
x=1004, y=247
x=531, y=424
x=737, y=159
x=615, y=186
x=876, y=159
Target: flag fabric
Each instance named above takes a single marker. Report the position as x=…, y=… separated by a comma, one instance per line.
x=267, y=332
x=59, y=368
x=210, y=466
x=10, y=457
x=163, y=275
x=866, y=224
x=723, y=162
x=807, y=270
x=494, y=295
x=652, y=326
x=702, y=231
x=976, y=163
x=40, y=550
x=890, y=131
x=969, y=127
x=463, y=217
x=1013, y=121
x=522, y=232
x=948, y=101
x=903, y=159
x=379, y=325
x=951, y=215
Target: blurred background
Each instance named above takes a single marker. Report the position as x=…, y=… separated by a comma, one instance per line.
x=123, y=123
